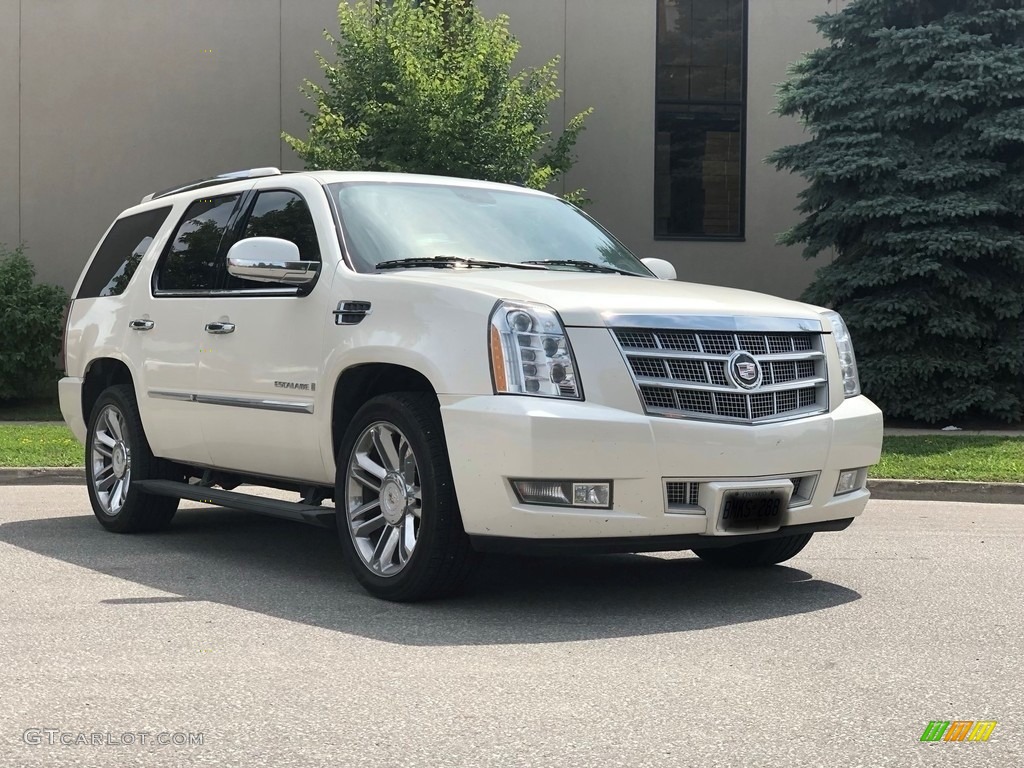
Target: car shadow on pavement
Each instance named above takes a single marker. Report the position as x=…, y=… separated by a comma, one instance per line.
x=295, y=572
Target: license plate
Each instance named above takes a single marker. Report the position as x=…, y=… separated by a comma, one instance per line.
x=752, y=510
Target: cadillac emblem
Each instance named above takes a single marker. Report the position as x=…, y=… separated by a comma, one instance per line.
x=744, y=370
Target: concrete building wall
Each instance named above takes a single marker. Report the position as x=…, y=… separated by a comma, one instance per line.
x=10, y=134
x=119, y=98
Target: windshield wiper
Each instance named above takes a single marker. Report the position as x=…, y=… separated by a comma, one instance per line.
x=586, y=266
x=442, y=262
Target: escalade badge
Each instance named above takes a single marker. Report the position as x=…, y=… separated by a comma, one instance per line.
x=295, y=385
x=744, y=370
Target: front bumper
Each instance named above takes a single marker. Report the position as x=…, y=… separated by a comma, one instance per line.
x=494, y=438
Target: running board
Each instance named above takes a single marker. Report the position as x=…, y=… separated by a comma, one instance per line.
x=289, y=510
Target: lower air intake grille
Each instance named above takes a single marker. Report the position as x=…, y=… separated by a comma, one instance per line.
x=684, y=495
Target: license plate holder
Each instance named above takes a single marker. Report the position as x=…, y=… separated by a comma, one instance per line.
x=752, y=510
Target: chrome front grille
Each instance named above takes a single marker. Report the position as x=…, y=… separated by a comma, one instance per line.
x=688, y=373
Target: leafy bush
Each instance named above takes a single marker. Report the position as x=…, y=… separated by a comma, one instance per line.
x=30, y=319
x=428, y=88
x=916, y=180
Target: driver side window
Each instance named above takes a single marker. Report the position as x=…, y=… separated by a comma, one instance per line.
x=283, y=214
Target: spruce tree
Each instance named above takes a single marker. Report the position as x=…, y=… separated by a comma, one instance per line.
x=915, y=170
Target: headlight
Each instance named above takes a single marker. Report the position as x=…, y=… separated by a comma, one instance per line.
x=530, y=353
x=847, y=360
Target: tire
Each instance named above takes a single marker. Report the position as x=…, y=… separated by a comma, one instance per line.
x=398, y=516
x=115, y=442
x=756, y=553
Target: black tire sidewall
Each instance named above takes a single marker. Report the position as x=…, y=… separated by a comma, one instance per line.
x=756, y=554
x=440, y=512
x=139, y=512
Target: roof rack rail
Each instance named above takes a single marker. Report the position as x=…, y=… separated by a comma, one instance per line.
x=223, y=178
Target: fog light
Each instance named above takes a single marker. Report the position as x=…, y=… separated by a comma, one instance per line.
x=564, y=493
x=850, y=480
x=591, y=494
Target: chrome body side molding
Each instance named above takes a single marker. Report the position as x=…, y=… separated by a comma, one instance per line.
x=234, y=402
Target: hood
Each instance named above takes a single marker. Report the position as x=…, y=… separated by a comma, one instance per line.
x=589, y=300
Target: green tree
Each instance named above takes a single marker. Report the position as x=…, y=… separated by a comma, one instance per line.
x=428, y=88
x=30, y=315
x=915, y=170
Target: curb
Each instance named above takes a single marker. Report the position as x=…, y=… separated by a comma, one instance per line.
x=903, y=490
x=42, y=475
x=947, y=490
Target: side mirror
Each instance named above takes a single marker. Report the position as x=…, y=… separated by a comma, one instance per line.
x=662, y=269
x=270, y=260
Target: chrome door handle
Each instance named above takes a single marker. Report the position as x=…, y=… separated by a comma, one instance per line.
x=220, y=327
x=141, y=325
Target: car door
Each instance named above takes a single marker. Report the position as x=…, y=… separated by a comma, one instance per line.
x=261, y=355
x=166, y=327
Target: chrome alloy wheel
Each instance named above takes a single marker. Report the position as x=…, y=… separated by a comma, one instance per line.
x=111, y=458
x=384, y=499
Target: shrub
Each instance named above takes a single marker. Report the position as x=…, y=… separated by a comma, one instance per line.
x=428, y=88
x=30, y=316
x=916, y=180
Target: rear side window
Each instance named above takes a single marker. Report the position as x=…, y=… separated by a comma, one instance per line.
x=121, y=252
x=191, y=262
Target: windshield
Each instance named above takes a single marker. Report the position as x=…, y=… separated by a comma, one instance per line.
x=393, y=221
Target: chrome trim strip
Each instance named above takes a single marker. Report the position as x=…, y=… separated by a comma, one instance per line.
x=226, y=293
x=734, y=324
x=660, y=353
x=788, y=386
x=288, y=272
x=166, y=395
x=697, y=416
x=263, y=405
x=234, y=402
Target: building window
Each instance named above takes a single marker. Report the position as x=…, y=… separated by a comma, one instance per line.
x=701, y=118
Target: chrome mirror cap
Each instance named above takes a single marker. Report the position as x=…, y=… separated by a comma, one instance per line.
x=270, y=260
x=662, y=269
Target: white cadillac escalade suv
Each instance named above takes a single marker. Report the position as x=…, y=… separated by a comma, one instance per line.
x=462, y=367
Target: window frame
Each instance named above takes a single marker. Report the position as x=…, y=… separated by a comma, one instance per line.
x=744, y=109
x=233, y=231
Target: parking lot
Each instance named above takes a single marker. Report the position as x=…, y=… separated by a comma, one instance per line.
x=250, y=632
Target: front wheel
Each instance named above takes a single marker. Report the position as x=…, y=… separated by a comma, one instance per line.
x=756, y=553
x=398, y=517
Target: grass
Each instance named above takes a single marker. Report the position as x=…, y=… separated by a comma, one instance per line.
x=985, y=459
x=39, y=445
x=943, y=457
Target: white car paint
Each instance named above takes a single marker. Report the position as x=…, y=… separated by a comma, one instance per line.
x=436, y=322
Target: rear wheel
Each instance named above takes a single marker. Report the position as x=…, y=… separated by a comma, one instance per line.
x=117, y=458
x=756, y=553
x=398, y=517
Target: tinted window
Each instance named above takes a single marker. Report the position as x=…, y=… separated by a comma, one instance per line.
x=121, y=252
x=285, y=215
x=701, y=102
x=191, y=262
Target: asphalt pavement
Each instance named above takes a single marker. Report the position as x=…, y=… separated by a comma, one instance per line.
x=248, y=635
